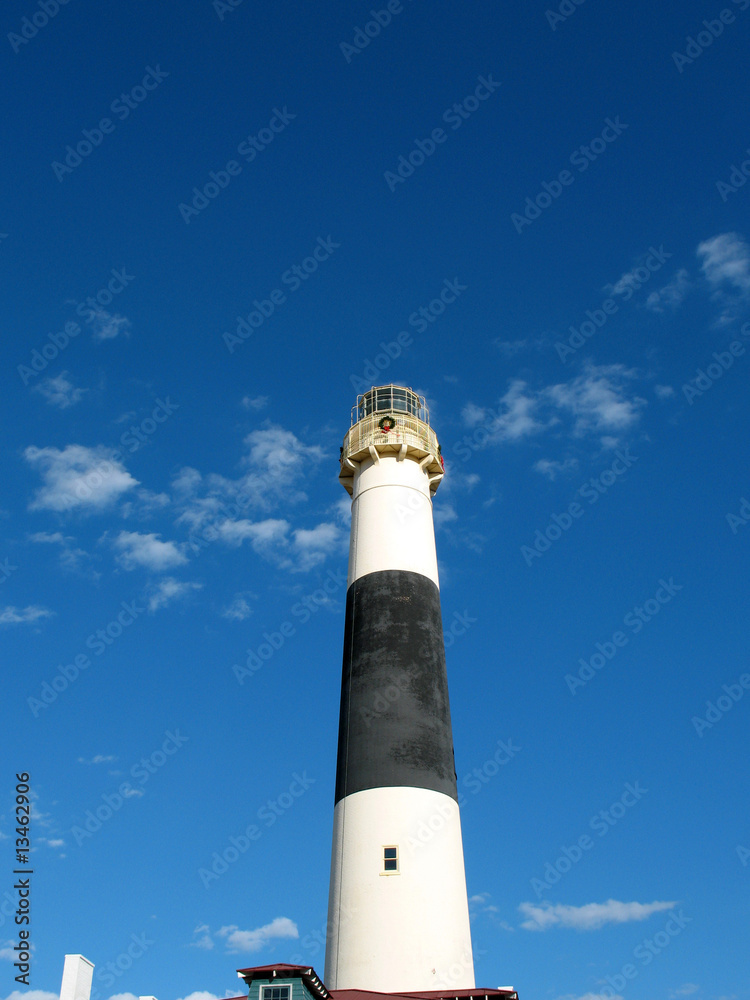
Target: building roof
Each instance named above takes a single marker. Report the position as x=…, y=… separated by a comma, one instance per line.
x=283, y=971
x=478, y=993
x=305, y=972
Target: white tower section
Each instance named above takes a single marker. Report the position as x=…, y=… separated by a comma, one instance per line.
x=398, y=910
x=76, y=981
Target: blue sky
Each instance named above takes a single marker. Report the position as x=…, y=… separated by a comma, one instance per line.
x=220, y=222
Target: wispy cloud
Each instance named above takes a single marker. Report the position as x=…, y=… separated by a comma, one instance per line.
x=146, y=551
x=671, y=295
x=78, y=478
x=203, y=939
x=589, y=917
x=168, y=590
x=599, y=401
x=663, y=391
x=254, y=402
x=107, y=326
x=99, y=758
x=591, y=996
x=11, y=615
x=725, y=262
x=72, y=558
x=551, y=468
x=239, y=609
x=686, y=990
x=255, y=940
x=60, y=391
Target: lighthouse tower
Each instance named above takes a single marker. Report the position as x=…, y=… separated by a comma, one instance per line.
x=398, y=917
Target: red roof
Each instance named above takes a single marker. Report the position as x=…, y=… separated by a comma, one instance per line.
x=275, y=968
x=477, y=992
x=306, y=972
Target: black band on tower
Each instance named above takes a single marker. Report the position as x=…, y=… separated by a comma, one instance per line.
x=394, y=726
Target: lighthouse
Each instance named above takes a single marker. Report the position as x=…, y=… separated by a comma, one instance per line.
x=398, y=917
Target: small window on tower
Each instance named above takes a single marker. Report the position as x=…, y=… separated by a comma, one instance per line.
x=275, y=993
x=390, y=860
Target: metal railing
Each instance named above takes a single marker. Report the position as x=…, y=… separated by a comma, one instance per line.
x=407, y=430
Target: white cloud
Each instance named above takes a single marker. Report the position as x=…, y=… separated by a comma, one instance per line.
x=60, y=391
x=168, y=590
x=671, y=295
x=205, y=940
x=663, y=391
x=275, y=465
x=55, y=843
x=204, y=995
x=726, y=261
x=238, y=610
x=10, y=615
x=147, y=551
x=473, y=415
x=99, y=758
x=261, y=534
x=591, y=996
x=237, y=940
x=444, y=514
x=588, y=917
x=254, y=403
x=6, y=951
x=78, y=477
x=598, y=400
x=106, y=326
x=551, y=468
x=312, y=546
x=686, y=990
x=71, y=558
x=32, y=995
